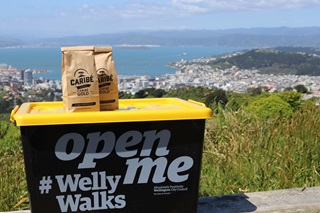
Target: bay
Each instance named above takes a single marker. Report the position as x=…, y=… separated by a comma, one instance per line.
x=150, y=61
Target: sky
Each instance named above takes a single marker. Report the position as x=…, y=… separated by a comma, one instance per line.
x=58, y=18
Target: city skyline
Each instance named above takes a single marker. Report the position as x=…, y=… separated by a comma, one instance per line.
x=43, y=19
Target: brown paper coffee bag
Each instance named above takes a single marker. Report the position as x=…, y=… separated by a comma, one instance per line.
x=108, y=79
x=79, y=79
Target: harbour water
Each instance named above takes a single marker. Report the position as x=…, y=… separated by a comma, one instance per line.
x=150, y=61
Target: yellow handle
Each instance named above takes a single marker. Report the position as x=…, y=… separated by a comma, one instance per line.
x=13, y=112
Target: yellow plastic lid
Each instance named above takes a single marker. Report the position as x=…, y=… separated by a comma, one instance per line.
x=130, y=110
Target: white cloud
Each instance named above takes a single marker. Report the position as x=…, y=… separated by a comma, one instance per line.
x=140, y=10
x=63, y=14
x=86, y=12
x=230, y=5
x=174, y=13
x=167, y=9
x=86, y=8
x=187, y=6
x=149, y=8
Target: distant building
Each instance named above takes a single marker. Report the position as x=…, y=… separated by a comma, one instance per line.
x=5, y=81
x=28, y=76
x=145, y=84
x=22, y=75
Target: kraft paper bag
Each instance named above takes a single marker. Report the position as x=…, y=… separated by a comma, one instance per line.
x=107, y=77
x=79, y=79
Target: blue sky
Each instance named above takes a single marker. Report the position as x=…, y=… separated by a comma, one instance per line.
x=55, y=18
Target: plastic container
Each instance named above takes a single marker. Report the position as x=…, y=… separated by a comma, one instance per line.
x=144, y=157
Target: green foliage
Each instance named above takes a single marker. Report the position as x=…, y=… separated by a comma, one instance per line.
x=273, y=61
x=158, y=93
x=141, y=94
x=125, y=95
x=288, y=89
x=5, y=106
x=150, y=93
x=292, y=98
x=270, y=107
x=291, y=49
x=217, y=97
x=301, y=88
x=255, y=91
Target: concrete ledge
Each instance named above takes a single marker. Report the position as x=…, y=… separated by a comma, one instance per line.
x=288, y=200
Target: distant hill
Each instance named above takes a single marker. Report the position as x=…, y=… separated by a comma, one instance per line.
x=249, y=38
x=6, y=41
x=281, y=60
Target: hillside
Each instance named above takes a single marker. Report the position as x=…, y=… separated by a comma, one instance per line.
x=242, y=37
x=6, y=41
x=282, y=60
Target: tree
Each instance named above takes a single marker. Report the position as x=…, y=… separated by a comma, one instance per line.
x=141, y=94
x=288, y=89
x=158, y=93
x=217, y=97
x=255, y=91
x=5, y=106
x=272, y=107
x=124, y=95
x=292, y=98
x=301, y=88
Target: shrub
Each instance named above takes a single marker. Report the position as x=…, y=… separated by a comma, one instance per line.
x=272, y=107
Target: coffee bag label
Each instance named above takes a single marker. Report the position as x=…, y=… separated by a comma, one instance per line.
x=107, y=78
x=79, y=79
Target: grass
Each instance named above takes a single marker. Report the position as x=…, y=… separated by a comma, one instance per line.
x=242, y=153
x=245, y=154
x=13, y=187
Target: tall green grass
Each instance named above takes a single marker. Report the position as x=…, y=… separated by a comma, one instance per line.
x=13, y=187
x=243, y=153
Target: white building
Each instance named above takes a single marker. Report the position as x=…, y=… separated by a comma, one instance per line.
x=28, y=76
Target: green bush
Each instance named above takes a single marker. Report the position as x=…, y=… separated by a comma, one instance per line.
x=292, y=98
x=272, y=107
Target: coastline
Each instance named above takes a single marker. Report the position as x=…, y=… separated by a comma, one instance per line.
x=129, y=59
